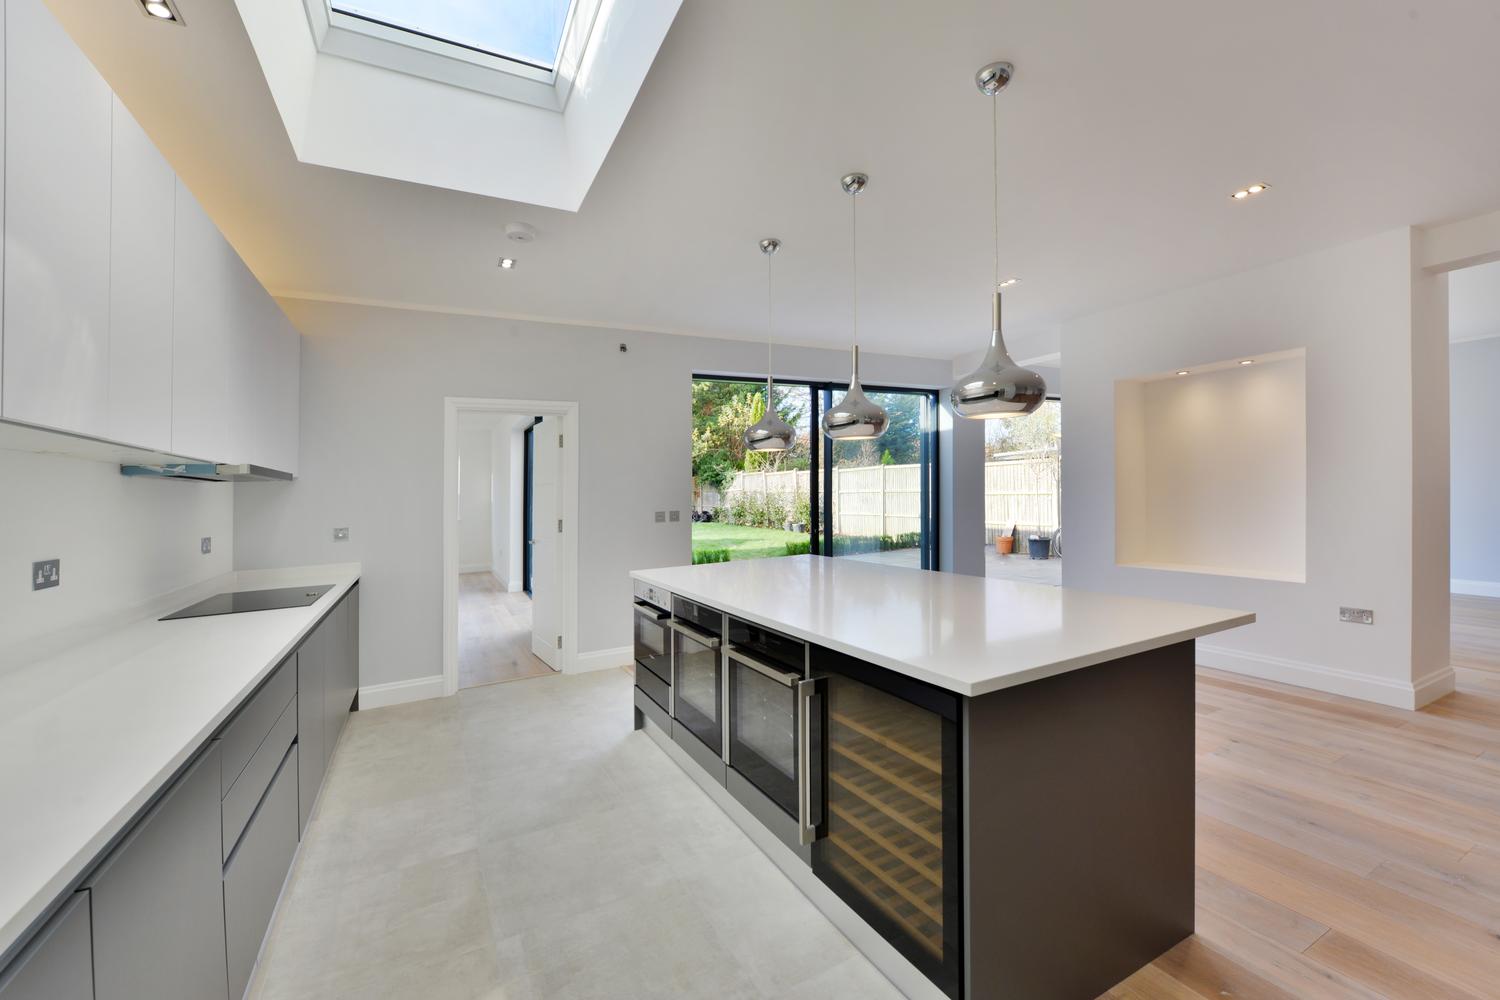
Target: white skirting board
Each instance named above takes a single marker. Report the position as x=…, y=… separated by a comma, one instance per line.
x=474, y=567
x=1331, y=680
x=400, y=692
x=1475, y=588
x=602, y=659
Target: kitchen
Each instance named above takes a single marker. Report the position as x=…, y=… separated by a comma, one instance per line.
x=239, y=310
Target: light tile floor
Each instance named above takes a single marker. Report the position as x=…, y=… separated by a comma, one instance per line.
x=520, y=841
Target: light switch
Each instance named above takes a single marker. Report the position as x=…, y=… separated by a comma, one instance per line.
x=340, y=534
x=661, y=517
x=674, y=516
x=206, y=545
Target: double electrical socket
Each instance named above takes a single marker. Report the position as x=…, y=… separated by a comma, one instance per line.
x=47, y=573
x=663, y=516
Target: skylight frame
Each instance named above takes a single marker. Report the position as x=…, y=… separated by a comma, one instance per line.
x=412, y=52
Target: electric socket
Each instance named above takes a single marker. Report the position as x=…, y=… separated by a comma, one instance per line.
x=45, y=574
x=674, y=516
x=206, y=545
x=1357, y=616
x=340, y=534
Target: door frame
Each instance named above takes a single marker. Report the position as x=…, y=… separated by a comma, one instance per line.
x=568, y=544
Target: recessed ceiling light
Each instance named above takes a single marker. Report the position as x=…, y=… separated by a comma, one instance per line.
x=1008, y=282
x=1184, y=372
x=508, y=263
x=1247, y=361
x=1246, y=192
x=161, y=10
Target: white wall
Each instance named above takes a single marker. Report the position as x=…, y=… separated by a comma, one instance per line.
x=1373, y=330
x=373, y=382
x=474, y=552
x=1475, y=410
x=123, y=541
x=507, y=456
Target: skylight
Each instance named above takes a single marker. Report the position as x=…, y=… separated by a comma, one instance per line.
x=525, y=31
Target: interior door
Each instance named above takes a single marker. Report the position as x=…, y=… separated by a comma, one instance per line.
x=546, y=494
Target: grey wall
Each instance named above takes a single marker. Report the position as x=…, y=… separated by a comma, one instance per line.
x=1475, y=437
x=373, y=382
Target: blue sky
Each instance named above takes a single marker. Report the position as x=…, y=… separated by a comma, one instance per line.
x=524, y=29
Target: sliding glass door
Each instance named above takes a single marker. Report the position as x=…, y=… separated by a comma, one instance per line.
x=871, y=500
x=878, y=495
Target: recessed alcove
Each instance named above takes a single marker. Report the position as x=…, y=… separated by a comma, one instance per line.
x=1211, y=468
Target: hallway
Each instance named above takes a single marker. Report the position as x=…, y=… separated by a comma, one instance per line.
x=494, y=633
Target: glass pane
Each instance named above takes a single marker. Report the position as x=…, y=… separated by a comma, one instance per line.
x=878, y=491
x=528, y=31
x=697, y=691
x=886, y=815
x=748, y=505
x=762, y=732
x=1023, y=496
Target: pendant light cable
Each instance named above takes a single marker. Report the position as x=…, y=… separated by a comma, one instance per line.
x=854, y=259
x=770, y=292
x=995, y=151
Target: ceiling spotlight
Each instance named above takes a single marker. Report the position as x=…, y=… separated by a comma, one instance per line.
x=508, y=263
x=1247, y=361
x=160, y=10
x=1246, y=192
x=1008, y=282
x=1184, y=372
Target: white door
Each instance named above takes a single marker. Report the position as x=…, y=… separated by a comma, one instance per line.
x=546, y=510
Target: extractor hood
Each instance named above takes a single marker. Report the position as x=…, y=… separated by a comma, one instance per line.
x=209, y=472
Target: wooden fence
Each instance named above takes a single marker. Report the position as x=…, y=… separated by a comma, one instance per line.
x=887, y=499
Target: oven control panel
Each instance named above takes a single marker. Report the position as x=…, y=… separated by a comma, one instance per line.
x=653, y=595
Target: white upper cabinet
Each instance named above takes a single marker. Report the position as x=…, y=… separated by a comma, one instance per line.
x=205, y=302
x=265, y=360
x=140, y=291
x=57, y=221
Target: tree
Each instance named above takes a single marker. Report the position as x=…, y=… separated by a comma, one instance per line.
x=1040, y=430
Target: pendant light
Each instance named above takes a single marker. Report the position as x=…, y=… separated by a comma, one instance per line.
x=855, y=418
x=770, y=432
x=998, y=387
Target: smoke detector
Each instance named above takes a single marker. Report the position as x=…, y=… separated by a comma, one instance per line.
x=520, y=232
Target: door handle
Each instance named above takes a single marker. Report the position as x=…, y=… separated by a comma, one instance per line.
x=810, y=821
x=780, y=676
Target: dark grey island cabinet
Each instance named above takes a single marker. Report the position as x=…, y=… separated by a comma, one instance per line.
x=1017, y=828
x=177, y=907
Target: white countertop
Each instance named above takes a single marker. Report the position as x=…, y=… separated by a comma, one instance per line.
x=968, y=634
x=90, y=733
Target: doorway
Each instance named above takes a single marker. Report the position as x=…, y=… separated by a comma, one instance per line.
x=509, y=591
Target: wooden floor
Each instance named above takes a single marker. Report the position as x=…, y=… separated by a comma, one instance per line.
x=1346, y=850
x=494, y=633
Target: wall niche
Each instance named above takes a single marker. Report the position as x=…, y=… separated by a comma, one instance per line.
x=1211, y=468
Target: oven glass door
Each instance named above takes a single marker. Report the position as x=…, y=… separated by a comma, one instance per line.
x=698, y=688
x=763, y=742
x=652, y=643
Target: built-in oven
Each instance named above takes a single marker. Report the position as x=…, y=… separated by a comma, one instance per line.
x=653, y=644
x=698, y=679
x=775, y=731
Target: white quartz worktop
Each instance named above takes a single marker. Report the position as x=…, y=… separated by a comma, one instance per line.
x=90, y=733
x=964, y=633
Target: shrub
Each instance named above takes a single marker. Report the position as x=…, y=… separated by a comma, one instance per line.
x=802, y=509
x=801, y=548
x=710, y=556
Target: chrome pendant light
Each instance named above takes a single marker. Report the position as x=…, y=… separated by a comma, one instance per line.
x=855, y=418
x=770, y=432
x=998, y=387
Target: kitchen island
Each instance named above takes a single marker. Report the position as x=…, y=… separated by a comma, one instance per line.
x=987, y=785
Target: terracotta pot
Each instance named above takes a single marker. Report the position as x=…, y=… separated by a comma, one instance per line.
x=1005, y=544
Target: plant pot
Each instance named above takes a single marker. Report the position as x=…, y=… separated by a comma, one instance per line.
x=1039, y=547
x=1005, y=544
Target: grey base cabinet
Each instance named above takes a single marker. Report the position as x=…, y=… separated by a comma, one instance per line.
x=255, y=873
x=327, y=681
x=57, y=964
x=158, y=903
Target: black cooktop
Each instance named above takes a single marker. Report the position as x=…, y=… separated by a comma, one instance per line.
x=252, y=600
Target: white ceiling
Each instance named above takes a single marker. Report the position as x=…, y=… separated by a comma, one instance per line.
x=1474, y=303
x=1126, y=129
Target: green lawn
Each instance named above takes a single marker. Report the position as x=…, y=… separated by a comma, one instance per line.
x=742, y=542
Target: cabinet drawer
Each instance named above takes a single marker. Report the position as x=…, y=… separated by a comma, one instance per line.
x=659, y=690
x=248, y=788
x=58, y=963
x=257, y=871
x=247, y=730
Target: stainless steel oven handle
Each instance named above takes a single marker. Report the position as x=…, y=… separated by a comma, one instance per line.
x=700, y=637
x=777, y=674
x=651, y=611
x=809, y=782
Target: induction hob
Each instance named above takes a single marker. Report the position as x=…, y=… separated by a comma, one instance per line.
x=252, y=600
